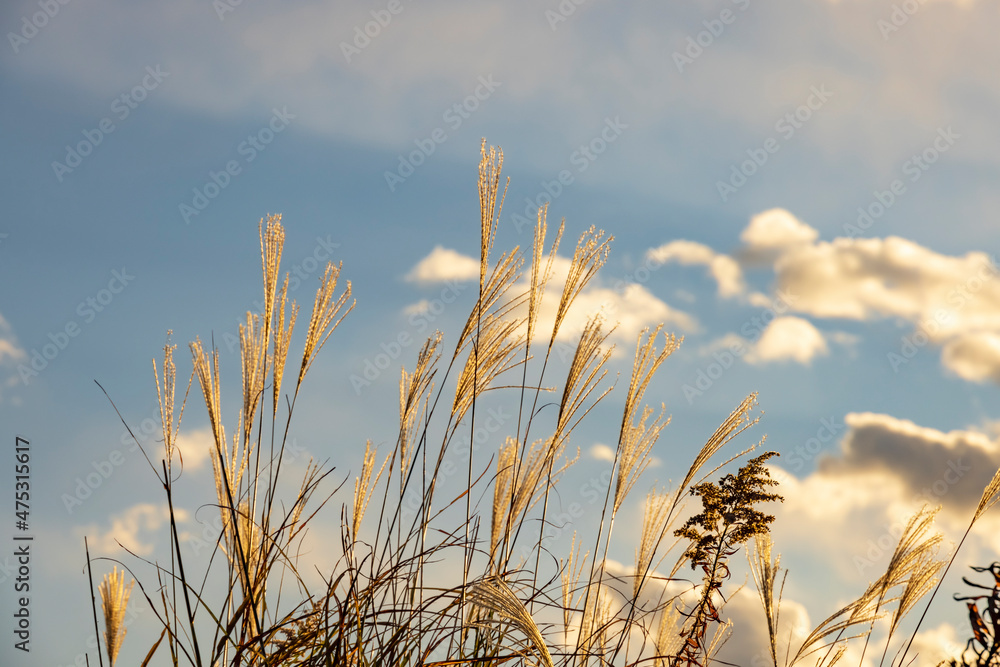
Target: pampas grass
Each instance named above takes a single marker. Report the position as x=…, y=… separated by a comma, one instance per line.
x=114, y=600
x=395, y=594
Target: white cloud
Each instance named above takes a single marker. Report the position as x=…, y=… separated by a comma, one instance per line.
x=953, y=301
x=10, y=350
x=602, y=453
x=724, y=269
x=773, y=232
x=10, y=353
x=444, y=264
x=865, y=279
x=851, y=510
x=937, y=645
x=418, y=308
x=948, y=468
x=133, y=528
x=973, y=356
x=631, y=307
x=748, y=642
x=195, y=446
x=788, y=339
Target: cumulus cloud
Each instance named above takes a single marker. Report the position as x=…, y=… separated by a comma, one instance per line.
x=973, y=356
x=444, y=264
x=788, y=338
x=952, y=301
x=947, y=468
x=11, y=352
x=724, y=269
x=864, y=279
x=195, y=446
x=851, y=509
x=747, y=642
x=133, y=529
x=632, y=307
x=772, y=232
x=602, y=452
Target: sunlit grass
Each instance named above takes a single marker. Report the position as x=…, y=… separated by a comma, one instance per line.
x=509, y=599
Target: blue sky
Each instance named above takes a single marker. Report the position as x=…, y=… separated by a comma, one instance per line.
x=805, y=191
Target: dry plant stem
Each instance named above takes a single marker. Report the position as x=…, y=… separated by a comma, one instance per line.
x=93, y=602
x=114, y=602
x=180, y=566
x=644, y=366
x=166, y=395
x=764, y=570
x=587, y=357
x=989, y=498
x=590, y=255
x=383, y=603
x=927, y=607
x=907, y=562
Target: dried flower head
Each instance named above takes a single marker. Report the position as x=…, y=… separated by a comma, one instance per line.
x=114, y=600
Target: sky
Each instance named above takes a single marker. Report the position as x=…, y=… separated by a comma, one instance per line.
x=805, y=191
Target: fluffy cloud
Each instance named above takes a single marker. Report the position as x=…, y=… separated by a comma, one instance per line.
x=131, y=528
x=863, y=279
x=952, y=301
x=602, y=453
x=772, y=232
x=632, y=309
x=724, y=269
x=632, y=306
x=974, y=356
x=852, y=508
x=444, y=264
x=195, y=446
x=947, y=468
x=788, y=339
x=11, y=352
